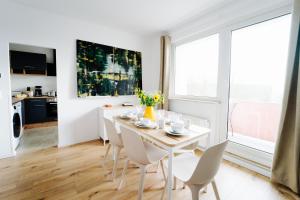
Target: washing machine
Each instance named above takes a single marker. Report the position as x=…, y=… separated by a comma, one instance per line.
x=17, y=124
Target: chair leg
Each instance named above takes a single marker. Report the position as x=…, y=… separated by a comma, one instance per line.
x=142, y=180
x=164, y=190
x=175, y=183
x=107, y=150
x=116, y=162
x=215, y=189
x=162, y=169
x=123, y=174
x=105, y=156
x=195, y=192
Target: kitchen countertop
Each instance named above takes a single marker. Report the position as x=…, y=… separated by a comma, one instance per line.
x=16, y=100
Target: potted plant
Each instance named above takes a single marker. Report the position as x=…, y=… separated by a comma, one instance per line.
x=149, y=100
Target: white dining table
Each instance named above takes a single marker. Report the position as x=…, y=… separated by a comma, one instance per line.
x=170, y=143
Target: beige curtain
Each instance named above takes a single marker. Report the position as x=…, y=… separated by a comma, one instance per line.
x=286, y=162
x=165, y=55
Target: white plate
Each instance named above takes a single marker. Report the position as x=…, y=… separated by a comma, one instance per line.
x=184, y=132
x=127, y=116
x=140, y=125
x=124, y=117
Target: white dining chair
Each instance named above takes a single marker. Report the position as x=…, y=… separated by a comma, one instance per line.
x=115, y=141
x=192, y=147
x=197, y=172
x=142, y=154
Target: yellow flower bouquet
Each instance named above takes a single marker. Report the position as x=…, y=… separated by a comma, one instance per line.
x=149, y=100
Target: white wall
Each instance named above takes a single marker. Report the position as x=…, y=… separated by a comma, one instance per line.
x=77, y=118
x=21, y=82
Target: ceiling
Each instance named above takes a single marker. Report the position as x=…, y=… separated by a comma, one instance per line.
x=139, y=16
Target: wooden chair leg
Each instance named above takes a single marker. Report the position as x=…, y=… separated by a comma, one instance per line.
x=142, y=180
x=162, y=169
x=215, y=189
x=123, y=174
x=118, y=149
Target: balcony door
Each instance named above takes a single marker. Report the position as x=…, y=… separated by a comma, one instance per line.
x=258, y=67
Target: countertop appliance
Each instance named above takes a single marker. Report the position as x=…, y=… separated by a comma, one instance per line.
x=38, y=91
x=51, y=93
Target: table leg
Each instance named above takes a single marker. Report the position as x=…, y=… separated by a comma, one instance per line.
x=207, y=146
x=207, y=141
x=170, y=175
x=113, y=153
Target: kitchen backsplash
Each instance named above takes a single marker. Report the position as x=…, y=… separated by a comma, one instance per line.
x=21, y=82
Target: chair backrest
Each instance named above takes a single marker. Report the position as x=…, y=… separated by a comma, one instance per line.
x=134, y=146
x=112, y=134
x=208, y=164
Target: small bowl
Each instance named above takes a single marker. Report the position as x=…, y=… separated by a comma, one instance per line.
x=145, y=121
x=177, y=126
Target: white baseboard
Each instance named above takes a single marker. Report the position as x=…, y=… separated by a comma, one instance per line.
x=263, y=170
x=61, y=145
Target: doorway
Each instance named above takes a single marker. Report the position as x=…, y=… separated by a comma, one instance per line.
x=258, y=66
x=34, y=97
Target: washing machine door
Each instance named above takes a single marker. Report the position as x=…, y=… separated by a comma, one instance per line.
x=17, y=125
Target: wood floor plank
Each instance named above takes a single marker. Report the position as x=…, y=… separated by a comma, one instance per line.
x=75, y=172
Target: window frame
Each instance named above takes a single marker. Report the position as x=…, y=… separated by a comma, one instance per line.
x=254, y=159
x=172, y=94
x=235, y=27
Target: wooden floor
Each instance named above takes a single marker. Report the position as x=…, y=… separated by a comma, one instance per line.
x=75, y=173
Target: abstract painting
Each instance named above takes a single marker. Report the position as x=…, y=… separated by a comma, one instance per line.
x=107, y=71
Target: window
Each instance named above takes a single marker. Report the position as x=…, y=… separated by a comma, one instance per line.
x=196, y=67
x=258, y=66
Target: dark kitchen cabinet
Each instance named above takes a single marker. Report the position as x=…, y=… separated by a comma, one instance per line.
x=51, y=69
x=35, y=110
x=35, y=70
x=28, y=63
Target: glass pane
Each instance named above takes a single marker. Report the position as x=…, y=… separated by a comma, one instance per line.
x=258, y=67
x=196, y=68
